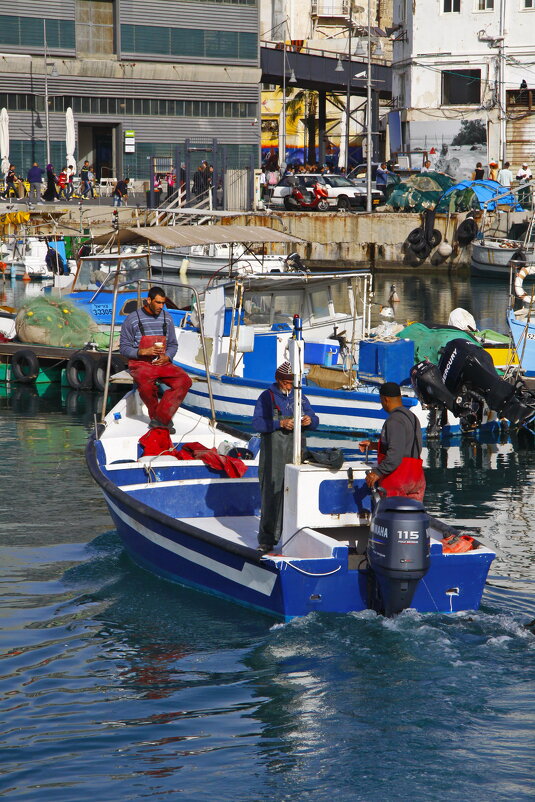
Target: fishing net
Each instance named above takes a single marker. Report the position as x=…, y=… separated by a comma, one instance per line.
x=57, y=322
x=419, y=192
x=428, y=342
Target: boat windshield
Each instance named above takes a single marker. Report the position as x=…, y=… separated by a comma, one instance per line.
x=94, y=271
x=273, y=308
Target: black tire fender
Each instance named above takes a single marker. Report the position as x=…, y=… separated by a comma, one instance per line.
x=99, y=370
x=467, y=231
x=24, y=366
x=416, y=236
x=80, y=371
x=343, y=202
x=519, y=257
x=435, y=238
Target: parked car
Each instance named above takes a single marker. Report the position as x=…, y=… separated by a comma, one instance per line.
x=342, y=193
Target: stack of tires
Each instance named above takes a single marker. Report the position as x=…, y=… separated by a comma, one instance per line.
x=85, y=370
x=88, y=372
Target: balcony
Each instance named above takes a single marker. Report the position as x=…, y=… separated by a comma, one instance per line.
x=330, y=9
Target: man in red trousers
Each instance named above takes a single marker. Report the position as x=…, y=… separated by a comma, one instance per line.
x=148, y=340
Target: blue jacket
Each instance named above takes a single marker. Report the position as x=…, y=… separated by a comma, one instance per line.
x=35, y=175
x=265, y=418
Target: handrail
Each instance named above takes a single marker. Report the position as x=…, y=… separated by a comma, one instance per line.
x=168, y=283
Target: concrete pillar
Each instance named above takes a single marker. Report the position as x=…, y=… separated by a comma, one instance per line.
x=322, y=124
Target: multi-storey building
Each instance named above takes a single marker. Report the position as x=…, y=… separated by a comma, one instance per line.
x=461, y=62
x=166, y=69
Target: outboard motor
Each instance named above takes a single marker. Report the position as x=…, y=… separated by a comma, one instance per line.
x=465, y=381
x=398, y=553
x=429, y=387
x=469, y=370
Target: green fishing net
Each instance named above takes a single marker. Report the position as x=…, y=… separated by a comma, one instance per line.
x=419, y=192
x=54, y=321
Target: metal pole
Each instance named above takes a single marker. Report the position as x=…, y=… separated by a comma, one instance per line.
x=47, y=126
x=151, y=185
x=282, y=139
x=369, y=117
x=348, y=88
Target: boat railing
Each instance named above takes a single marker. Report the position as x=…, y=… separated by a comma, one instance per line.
x=166, y=283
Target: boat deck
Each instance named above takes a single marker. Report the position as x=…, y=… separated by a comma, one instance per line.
x=241, y=529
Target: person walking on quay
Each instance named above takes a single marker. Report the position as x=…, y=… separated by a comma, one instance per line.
x=274, y=418
x=148, y=341
x=63, y=183
x=493, y=171
x=399, y=469
x=70, y=181
x=51, y=192
x=505, y=176
x=524, y=176
x=120, y=192
x=200, y=181
x=35, y=178
x=11, y=178
x=479, y=172
x=84, y=179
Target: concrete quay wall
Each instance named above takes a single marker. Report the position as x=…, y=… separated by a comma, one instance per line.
x=340, y=238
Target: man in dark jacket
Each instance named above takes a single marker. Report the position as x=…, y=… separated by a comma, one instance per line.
x=399, y=467
x=148, y=341
x=35, y=177
x=274, y=419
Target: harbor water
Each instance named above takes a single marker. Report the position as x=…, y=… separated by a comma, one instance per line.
x=117, y=686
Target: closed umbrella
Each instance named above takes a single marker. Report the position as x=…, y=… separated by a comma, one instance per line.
x=4, y=140
x=70, y=136
x=343, y=140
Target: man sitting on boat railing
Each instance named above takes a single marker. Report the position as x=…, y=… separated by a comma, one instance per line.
x=148, y=341
x=274, y=419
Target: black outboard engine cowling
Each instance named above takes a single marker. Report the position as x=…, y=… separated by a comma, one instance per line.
x=465, y=364
x=398, y=552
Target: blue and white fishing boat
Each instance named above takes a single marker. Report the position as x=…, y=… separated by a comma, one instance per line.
x=249, y=325
x=521, y=321
x=192, y=524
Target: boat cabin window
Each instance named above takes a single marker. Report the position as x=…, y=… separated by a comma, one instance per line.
x=320, y=303
x=273, y=307
x=93, y=272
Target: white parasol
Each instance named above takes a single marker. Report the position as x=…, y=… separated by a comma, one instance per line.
x=343, y=140
x=4, y=140
x=70, y=137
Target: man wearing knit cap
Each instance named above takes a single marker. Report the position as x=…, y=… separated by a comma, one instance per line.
x=274, y=419
x=399, y=467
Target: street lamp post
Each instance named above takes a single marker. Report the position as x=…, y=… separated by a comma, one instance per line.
x=369, y=117
x=348, y=88
x=47, y=124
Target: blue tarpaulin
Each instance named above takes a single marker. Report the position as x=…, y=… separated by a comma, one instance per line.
x=468, y=195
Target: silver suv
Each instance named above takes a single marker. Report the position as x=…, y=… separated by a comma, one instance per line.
x=343, y=194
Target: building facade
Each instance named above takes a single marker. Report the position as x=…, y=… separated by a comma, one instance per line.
x=458, y=69
x=167, y=70
x=327, y=28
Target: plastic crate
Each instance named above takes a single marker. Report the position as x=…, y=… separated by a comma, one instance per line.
x=325, y=353
x=386, y=362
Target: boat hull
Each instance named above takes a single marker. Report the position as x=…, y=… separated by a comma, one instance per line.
x=491, y=259
x=359, y=412
x=280, y=588
x=523, y=335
